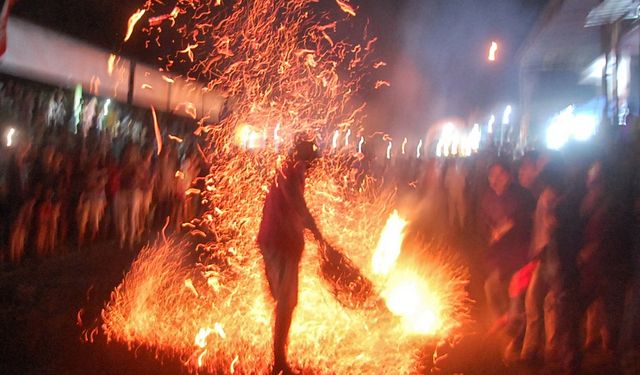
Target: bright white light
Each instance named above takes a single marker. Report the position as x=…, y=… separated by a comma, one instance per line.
x=10, y=134
x=105, y=109
x=404, y=143
x=444, y=146
x=455, y=144
x=506, y=115
x=336, y=134
x=568, y=125
x=389, y=151
x=492, y=120
x=474, y=137
x=276, y=137
x=253, y=140
x=418, y=150
x=360, y=144
x=346, y=140
x=492, y=51
x=559, y=131
x=275, y=132
x=584, y=127
x=556, y=137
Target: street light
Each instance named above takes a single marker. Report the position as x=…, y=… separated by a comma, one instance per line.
x=505, y=121
x=10, y=134
x=506, y=115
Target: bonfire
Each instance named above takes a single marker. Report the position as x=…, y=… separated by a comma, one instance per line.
x=285, y=67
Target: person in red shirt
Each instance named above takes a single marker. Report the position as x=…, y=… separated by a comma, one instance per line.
x=281, y=240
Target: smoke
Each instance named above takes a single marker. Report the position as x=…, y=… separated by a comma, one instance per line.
x=437, y=59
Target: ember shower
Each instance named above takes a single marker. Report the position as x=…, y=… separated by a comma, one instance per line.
x=285, y=68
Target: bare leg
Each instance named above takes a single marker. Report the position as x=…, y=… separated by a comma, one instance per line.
x=280, y=336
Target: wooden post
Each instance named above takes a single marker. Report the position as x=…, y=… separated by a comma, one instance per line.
x=132, y=76
x=606, y=49
x=615, y=42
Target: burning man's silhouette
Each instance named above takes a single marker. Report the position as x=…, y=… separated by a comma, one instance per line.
x=281, y=239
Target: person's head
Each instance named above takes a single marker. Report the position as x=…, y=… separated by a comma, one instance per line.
x=554, y=176
x=527, y=172
x=499, y=177
x=305, y=151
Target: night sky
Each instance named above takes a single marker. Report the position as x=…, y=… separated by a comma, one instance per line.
x=436, y=50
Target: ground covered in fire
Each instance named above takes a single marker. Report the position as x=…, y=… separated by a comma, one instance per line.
x=40, y=303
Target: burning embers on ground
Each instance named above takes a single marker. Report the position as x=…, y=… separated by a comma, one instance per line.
x=285, y=71
x=217, y=315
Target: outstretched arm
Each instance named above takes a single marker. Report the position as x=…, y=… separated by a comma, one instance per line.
x=292, y=187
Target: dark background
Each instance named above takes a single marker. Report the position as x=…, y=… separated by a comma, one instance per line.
x=436, y=50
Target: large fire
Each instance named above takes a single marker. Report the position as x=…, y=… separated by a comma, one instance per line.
x=285, y=70
x=418, y=294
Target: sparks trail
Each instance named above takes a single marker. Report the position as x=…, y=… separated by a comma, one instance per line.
x=284, y=69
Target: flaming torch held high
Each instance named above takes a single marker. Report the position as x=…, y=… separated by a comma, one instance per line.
x=493, y=50
x=215, y=314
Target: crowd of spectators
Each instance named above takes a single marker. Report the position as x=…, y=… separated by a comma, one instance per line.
x=70, y=178
x=552, y=238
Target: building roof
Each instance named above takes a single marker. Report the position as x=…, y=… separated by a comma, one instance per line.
x=611, y=11
x=560, y=41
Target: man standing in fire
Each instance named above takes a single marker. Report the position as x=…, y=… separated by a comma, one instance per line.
x=281, y=239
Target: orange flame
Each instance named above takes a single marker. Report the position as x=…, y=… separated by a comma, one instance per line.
x=389, y=245
x=346, y=7
x=381, y=84
x=133, y=20
x=156, y=129
x=419, y=298
x=189, y=108
x=110, y=64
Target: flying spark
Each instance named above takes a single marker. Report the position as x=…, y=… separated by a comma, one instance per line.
x=346, y=7
x=133, y=20
x=156, y=129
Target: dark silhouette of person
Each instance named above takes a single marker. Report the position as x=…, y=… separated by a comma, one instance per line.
x=281, y=240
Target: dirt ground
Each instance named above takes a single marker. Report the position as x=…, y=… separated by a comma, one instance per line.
x=40, y=334
x=39, y=305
